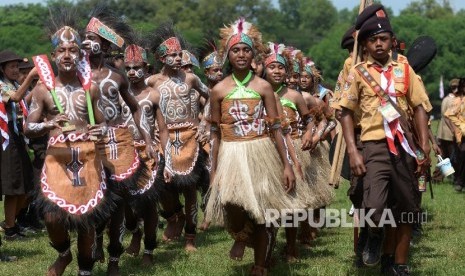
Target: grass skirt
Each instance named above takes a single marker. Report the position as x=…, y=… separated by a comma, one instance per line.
x=317, y=168
x=249, y=174
x=305, y=192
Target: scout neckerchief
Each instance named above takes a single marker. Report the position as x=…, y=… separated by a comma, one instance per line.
x=391, y=122
x=4, y=126
x=4, y=117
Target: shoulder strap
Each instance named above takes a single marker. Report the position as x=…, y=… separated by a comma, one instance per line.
x=376, y=87
x=402, y=119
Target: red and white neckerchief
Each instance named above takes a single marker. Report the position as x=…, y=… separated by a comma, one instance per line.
x=4, y=126
x=4, y=132
x=392, y=129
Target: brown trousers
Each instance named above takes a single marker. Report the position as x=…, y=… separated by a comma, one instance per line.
x=390, y=182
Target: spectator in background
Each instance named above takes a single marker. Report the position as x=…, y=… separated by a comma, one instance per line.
x=445, y=135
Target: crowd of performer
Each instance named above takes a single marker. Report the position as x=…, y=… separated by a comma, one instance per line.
x=114, y=143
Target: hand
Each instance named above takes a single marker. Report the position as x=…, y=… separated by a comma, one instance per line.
x=200, y=135
x=97, y=130
x=437, y=150
x=151, y=152
x=307, y=141
x=315, y=141
x=57, y=121
x=167, y=175
x=289, y=179
x=357, y=164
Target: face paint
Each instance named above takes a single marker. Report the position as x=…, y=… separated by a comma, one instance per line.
x=133, y=72
x=169, y=60
x=94, y=46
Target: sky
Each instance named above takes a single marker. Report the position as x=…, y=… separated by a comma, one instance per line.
x=395, y=5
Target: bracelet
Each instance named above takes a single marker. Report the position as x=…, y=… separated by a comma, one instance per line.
x=214, y=128
x=309, y=119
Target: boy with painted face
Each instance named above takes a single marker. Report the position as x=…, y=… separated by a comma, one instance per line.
x=73, y=189
x=384, y=90
x=184, y=154
x=213, y=70
x=144, y=199
x=121, y=159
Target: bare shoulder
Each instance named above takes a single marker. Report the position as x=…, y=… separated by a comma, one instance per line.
x=261, y=86
x=293, y=94
x=39, y=91
x=221, y=89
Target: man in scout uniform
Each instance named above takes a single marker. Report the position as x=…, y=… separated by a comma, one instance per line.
x=456, y=115
x=446, y=128
x=383, y=90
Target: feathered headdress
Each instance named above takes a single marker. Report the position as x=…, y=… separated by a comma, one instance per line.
x=294, y=57
x=165, y=40
x=134, y=54
x=61, y=28
x=108, y=25
x=209, y=55
x=275, y=54
x=135, y=51
x=240, y=31
x=189, y=59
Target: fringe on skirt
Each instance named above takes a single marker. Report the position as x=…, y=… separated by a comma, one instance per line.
x=250, y=175
x=305, y=193
x=317, y=168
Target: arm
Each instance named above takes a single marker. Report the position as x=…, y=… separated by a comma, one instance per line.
x=164, y=138
x=421, y=122
x=215, y=134
x=272, y=112
x=137, y=114
x=293, y=155
x=437, y=150
x=308, y=121
x=203, y=90
x=21, y=91
x=355, y=158
x=35, y=127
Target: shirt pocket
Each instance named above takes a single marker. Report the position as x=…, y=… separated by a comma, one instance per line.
x=399, y=86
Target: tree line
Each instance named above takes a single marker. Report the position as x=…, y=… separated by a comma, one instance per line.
x=314, y=26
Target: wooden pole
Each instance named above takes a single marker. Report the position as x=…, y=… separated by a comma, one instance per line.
x=340, y=148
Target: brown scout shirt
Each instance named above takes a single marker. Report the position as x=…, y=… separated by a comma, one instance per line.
x=358, y=95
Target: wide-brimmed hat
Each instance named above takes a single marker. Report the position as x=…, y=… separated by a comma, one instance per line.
x=7, y=55
x=25, y=63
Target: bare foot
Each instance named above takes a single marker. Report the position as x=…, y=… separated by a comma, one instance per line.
x=190, y=245
x=174, y=228
x=290, y=254
x=134, y=247
x=237, y=251
x=204, y=226
x=60, y=264
x=147, y=259
x=306, y=243
x=258, y=271
x=313, y=233
x=113, y=268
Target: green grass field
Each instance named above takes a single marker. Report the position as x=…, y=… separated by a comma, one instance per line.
x=440, y=251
